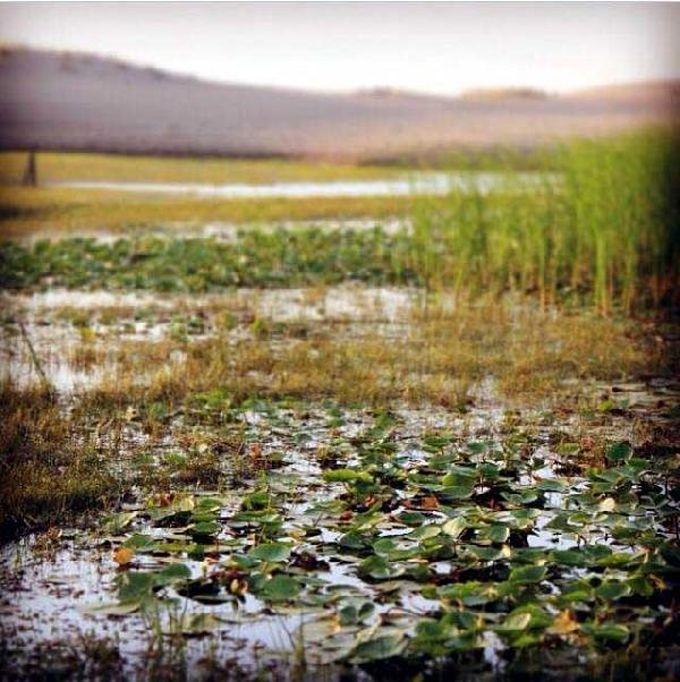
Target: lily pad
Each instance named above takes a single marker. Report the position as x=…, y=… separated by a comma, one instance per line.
x=271, y=551
x=378, y=648
x=280, y=588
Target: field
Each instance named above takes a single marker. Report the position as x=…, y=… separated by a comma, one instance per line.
x=342, y=437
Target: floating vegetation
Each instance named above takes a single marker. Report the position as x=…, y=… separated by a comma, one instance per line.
x=403, y=535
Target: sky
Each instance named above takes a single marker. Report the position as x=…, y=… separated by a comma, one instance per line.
x=443, y=48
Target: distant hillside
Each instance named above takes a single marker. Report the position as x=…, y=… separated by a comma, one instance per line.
x=504, y=93
x=67, y=101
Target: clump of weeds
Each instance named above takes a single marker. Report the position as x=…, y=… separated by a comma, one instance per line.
x=49, y=470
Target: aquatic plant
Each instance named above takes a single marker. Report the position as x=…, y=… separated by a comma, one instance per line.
x=603, y=226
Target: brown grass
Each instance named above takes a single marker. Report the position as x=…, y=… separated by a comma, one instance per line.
x=54, y=462
x=439, y=357
x=25, y=212
x=48, y=472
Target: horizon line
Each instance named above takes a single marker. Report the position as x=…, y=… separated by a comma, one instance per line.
x=367, y=90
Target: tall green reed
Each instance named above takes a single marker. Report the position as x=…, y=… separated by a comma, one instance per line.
x=601, y=226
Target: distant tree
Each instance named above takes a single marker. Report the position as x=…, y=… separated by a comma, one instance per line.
x=30, y=178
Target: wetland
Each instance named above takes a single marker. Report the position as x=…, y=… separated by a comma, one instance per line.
x=313, y=437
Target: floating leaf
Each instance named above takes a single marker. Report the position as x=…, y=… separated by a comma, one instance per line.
x=551, y=485
x=460, y=476
x=514, y=622
x=455, y=527
x=171, y=574
x=525, y=575
x=614, y=632
x=271, y=551
x=111, y=609
x=539, y=619
x=116, y=523
x=619, y=452
x=134, y=586
x=346, y=476
x=456, y=492
x=570, y=557
x=495, y=534
x=388, y=548
x=378, y=648
x=376, y=567
x=471, y=593
x=425, y=532
x=356, y=612
x=140, y=543
x=607, y=505
x=612, y=589
x=412, y=518
x=205, y=529
x=280, y=588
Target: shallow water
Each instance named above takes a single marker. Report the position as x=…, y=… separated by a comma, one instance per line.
x=418, y=183
x=345, y=301
x=48, y=593
x=55, y=339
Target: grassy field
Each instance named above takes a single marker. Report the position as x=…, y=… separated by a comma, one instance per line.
x=59, y=210
x=393, y=446
x=60, y=167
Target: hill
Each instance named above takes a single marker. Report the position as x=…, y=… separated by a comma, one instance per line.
x=72, y=101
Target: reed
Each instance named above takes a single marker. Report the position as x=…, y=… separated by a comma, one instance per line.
x=602, y=227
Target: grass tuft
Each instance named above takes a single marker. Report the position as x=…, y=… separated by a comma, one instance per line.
x=48, y=472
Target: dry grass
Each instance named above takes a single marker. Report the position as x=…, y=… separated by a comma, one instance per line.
x=25, y=212
x=64, y=167
x=48, y=471
x=57, y=210
x=440, y=357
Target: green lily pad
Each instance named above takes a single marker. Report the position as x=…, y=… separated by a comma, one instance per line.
x=378, y=648
x=346, y=476
x=204, y=529
x=271, y=551
x=619, y=452
x=610, y=632
x=526, y=575
x=377, y=568
x=495, y=534
x=356, y=612
x=280, y=588
x=134, y=586
x=171, y=574
x=455, y=527
x=515, y=622
x=471, y=593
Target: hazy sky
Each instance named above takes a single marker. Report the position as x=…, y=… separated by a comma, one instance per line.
x=431, y=47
